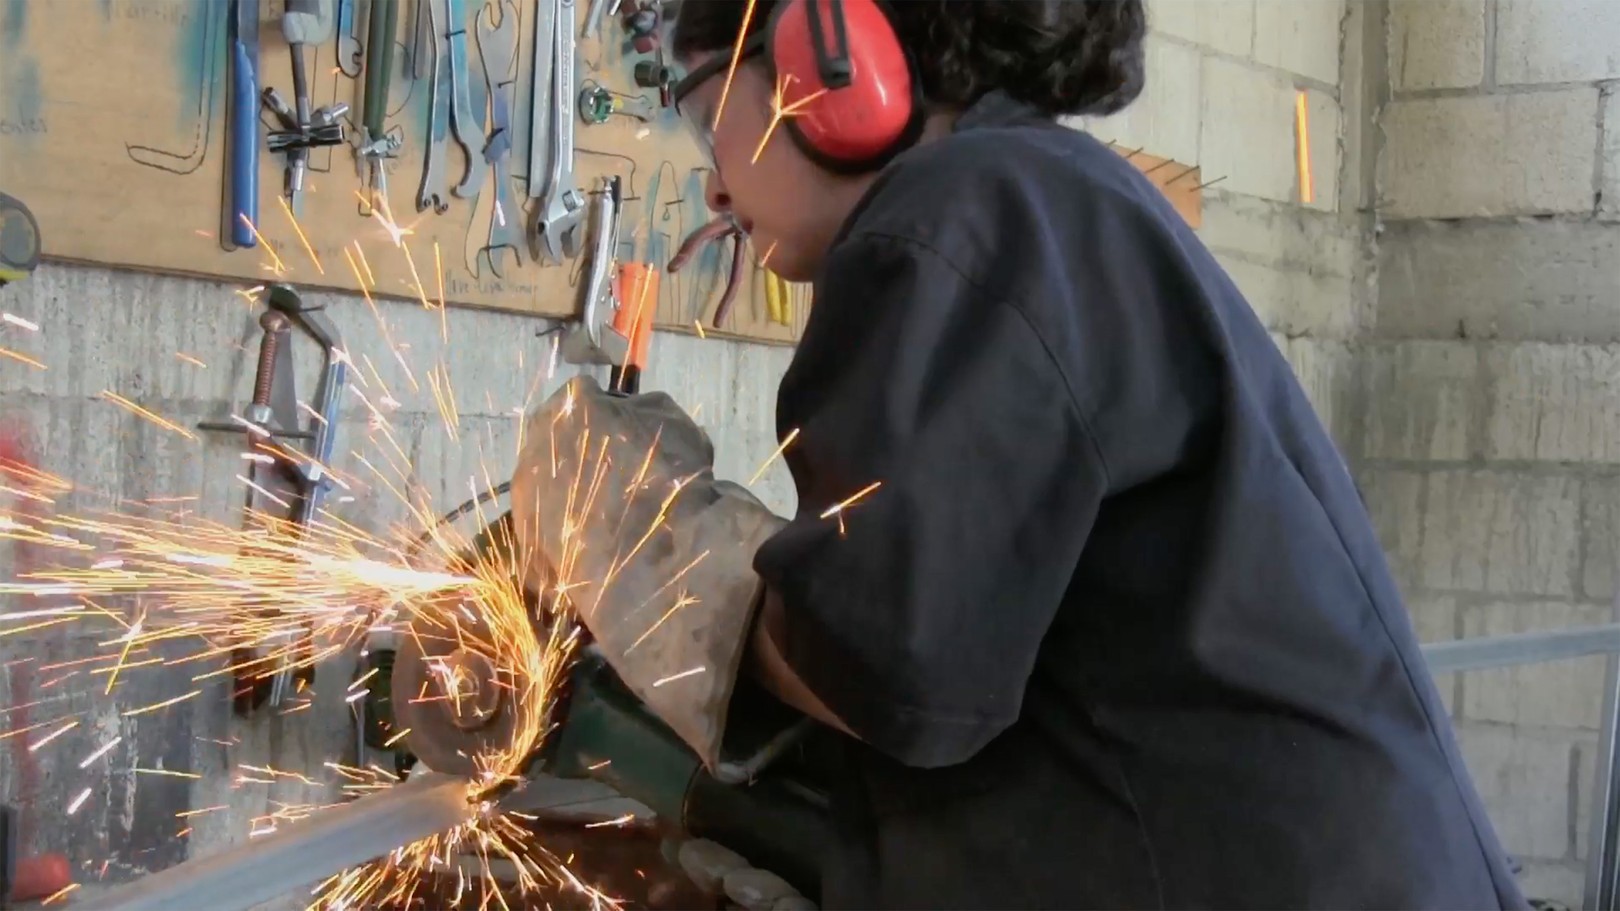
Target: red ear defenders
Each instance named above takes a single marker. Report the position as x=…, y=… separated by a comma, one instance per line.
x=849, y=88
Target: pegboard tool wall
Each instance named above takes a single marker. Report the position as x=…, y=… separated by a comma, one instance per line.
x=113, y=123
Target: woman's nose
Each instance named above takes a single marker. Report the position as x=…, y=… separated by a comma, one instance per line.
x=714, y=193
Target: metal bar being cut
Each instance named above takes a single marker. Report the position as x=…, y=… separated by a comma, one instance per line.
x=300, y=855
x=1525, y=648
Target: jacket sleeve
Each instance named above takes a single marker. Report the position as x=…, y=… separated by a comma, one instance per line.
x=917, y=610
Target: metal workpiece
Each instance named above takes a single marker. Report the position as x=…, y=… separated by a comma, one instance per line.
x=592, y=339
x=301, y=854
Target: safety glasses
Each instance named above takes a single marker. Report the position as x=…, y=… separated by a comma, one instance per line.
x=700, y=122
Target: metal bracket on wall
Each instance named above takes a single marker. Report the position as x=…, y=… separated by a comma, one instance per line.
x=289, y=475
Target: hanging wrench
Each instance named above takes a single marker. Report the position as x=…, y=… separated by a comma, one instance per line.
x=558, y=221
x=497, y=45
x=422, y=33
x=467, y=128
x=434, y=191
x=348, y=51
x=540, y=72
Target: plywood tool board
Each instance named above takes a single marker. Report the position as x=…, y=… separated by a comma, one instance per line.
x=113, y=123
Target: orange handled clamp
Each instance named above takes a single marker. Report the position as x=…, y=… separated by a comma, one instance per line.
x=637, y=294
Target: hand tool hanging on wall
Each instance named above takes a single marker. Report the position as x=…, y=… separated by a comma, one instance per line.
x=497, y=46
x=19, y=241
x=597, y=103
x=778, y=299
x=541, y=51
x=589, y=340
x=434, y=192
x=593, y=16
x=638, y=305
x=421, y=36
x=242, y=214
x=348, y=38
x=304, y=22
x=558, y=216
x=715, y=231
x=298, y=482
x=375, y=144
x=467, y=126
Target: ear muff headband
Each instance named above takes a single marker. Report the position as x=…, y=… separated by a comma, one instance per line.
x=850, y=89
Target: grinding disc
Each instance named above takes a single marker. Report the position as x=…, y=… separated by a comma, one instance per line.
x=446, y=729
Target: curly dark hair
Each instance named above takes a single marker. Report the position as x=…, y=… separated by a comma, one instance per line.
x=1059, y=56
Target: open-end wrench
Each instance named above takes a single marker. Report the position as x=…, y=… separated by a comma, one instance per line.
x=498, y=45
x=540, y=73
x=348, y=45
x=468, y=129
x=558, y=222
x=421, y=27
x=435, y=190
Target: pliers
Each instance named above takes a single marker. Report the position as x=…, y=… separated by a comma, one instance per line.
x=713, y=232
x=778, y=299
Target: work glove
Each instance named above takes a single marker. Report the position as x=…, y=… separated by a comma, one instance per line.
x=615, y=504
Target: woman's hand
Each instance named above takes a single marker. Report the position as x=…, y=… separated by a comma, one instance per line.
x=615, y=506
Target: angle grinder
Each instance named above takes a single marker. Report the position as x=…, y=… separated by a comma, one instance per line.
x=451, y=702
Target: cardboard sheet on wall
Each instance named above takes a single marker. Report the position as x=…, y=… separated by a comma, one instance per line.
x=113, y=123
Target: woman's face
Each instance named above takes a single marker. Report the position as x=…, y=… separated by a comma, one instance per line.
x=790, y=208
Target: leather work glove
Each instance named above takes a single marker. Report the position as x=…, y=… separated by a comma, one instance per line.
x=614, y=500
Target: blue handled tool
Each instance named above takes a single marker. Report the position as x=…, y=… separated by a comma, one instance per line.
x=244, y=163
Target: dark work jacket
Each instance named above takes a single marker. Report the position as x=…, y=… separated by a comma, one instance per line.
x=1114, y=628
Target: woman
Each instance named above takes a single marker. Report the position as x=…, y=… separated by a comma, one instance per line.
x=1114, y=630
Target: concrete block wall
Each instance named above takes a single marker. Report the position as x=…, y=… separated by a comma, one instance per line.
x=1222, y=81
x=103, y=329
x=1489, y=442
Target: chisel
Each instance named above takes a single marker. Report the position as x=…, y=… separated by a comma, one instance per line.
x=244, y=192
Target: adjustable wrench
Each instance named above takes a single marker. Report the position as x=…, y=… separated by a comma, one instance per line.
x=348, y=47
x=498, y=45
x=540, y=72
x=468, y=129
x=557, y=223
x=434, y=191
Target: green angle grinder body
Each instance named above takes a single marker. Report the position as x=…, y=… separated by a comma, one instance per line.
x=451, y=702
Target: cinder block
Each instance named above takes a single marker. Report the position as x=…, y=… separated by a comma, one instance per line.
x=1500, y=532
x=1600, y=538
x=1164, y=120
x=1395, y=498
x=1554, y=281
x=1587, y=757
x=1556, y=403
x=1524, y=780
x=1328, y=372
x=1556, y=693
x=1566, y=41
x=1479, y=156
x=1436, y=44
x=1609, y=184
x=1247, y=130
x=1435, y=619
x=1279, y=234
x=1222, y=25
x=1560, y=884
x=1421, y=399
x=1295, y=301
x=1301, y=36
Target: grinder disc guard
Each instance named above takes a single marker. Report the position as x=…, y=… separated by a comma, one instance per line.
x=450, y=694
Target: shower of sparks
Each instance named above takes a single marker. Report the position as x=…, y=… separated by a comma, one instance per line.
x=781, y=110
x=154, y=585
x=837, y=509
x=731, y=69
x=1302, y=133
